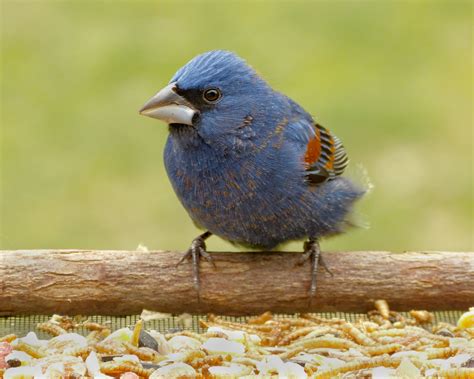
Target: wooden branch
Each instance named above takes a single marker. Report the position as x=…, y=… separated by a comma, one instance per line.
x=125, y=282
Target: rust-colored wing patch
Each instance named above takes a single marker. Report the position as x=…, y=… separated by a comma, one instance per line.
x=313, y=150
x=325, y=156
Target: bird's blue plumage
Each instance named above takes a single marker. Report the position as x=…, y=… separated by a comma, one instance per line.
x=240, y=170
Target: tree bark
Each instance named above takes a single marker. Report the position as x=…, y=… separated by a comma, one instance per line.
x=125, y=282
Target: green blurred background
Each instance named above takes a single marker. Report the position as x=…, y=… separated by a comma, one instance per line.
x=81, y=169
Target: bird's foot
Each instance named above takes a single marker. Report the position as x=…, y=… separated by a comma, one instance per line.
x=311, y=247
x=195, y=252
x=313, y=252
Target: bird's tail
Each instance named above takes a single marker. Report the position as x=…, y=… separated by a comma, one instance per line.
x=359, y=175
x=340, y=196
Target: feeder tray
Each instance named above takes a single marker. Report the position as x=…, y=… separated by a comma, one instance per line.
x=21, y=325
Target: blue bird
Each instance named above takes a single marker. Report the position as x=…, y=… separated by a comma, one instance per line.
x=249, y=164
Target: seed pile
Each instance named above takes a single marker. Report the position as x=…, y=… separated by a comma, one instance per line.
x=383, y=345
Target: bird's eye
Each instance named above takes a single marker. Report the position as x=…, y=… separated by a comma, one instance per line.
x=212, y=95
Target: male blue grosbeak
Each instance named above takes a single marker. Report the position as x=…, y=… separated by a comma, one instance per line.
x=249, y=164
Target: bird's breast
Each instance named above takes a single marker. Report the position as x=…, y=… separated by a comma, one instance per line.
x=237, y=166
x=205, y=184
x=242, y=199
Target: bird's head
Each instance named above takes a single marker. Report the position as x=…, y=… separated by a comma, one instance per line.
x=213, y=94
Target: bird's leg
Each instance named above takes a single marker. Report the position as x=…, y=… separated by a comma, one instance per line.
x=312, y=250
x=195, y=252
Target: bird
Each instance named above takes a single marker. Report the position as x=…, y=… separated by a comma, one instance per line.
x=248, y=163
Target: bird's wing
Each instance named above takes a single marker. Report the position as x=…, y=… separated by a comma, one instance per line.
x=323, y=154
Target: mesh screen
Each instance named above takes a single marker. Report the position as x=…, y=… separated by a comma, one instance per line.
x=20, y=325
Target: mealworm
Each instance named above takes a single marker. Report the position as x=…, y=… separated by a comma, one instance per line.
x=50, y=328
x=358, y=365
x=82, y=352
x=211, y=360
x=301, y=332
x=457, y=373
x=357, y=335
x=383, y=349
x=260, y=319
x=31, y=350
x=333, y=342
x=110, y=348
x=93, y=326
x=190, y=355
x=8, y=338
x=115, y=368
x=64, y=322
x=422, y=317
x=136, y=333
x=439, y=353
x=320, y=320
x=298, y=322
x=291, y=352
x=389, y=333
x=97, y=335
x=144, y=353
x=383, y=308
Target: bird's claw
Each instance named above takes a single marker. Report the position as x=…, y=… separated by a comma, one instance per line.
x=307, y=254
x=198, y=246
x=196, y=251
x=313, y=252
x=208, y=257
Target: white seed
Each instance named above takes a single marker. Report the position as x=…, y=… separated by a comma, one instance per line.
x=124, y=334
x=232, y=371
x=132, y=358
x=174, y=370
x=22, y=372
x=68, y=340
x=223, y=346
x=20, y=355
x=31, y=339
x=383, y=373
x=407, y=369
x=459, y=359
x=274, y=365
x=163, y=346
x=183, y=343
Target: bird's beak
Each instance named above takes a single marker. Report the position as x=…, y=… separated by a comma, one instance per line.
x=168, y=106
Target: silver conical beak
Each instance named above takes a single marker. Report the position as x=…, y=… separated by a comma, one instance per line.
x=168, y=106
